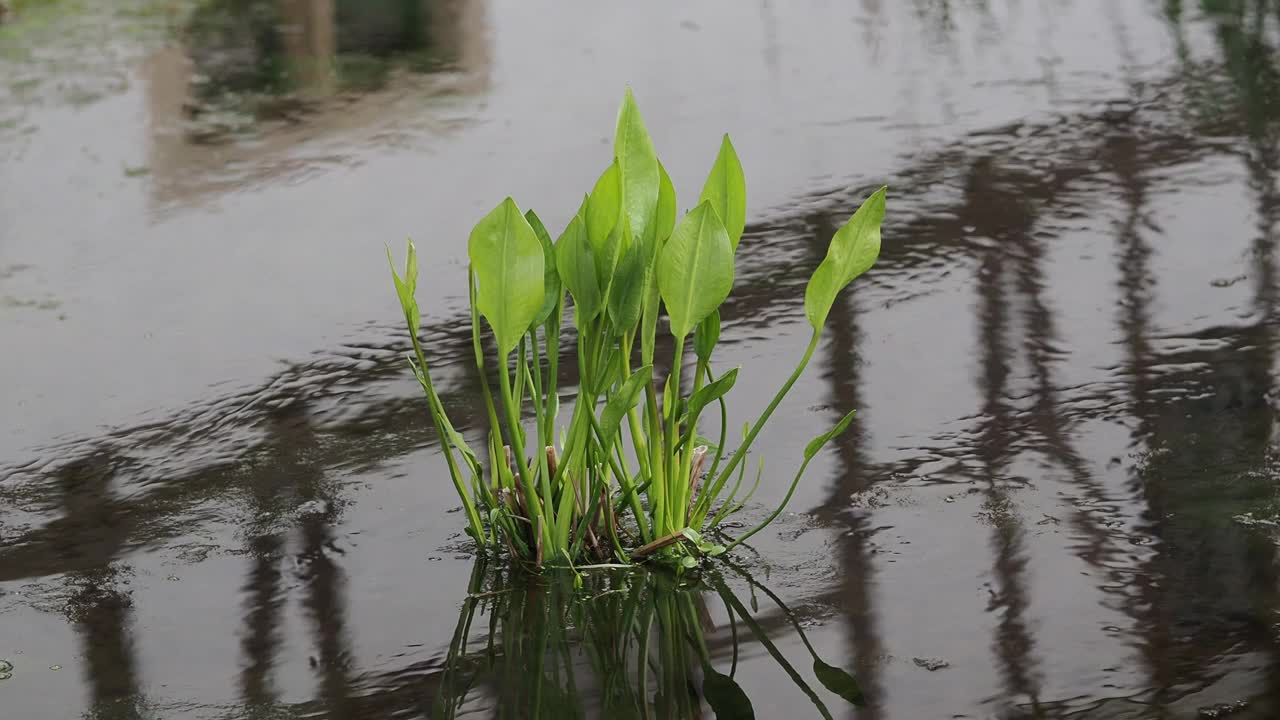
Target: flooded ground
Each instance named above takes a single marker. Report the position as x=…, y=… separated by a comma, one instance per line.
x=219, y=493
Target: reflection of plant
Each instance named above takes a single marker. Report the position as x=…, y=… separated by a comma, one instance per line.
x=622, y=259
x=624, y=645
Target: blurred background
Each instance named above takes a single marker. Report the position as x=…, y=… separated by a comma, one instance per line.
x=219, y=493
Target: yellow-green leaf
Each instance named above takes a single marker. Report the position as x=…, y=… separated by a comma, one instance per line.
x=853, y=251
x=726, y=189
x=638, y=170
x=508, y=263
x=695, y=269
x=576, y=263
x=550, y=273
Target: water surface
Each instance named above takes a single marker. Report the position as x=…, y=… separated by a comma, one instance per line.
x=220, y=494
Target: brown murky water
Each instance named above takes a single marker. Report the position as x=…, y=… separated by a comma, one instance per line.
x=219, y=496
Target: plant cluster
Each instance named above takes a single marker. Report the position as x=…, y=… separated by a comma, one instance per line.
x=628, y=476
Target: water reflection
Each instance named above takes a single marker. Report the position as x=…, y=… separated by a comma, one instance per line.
x=100, y=603
x=634, y=645
x=251, y=80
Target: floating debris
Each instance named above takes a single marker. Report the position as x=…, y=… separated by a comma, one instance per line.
x=6, y=669
x=932, y=664
x=1222, y=710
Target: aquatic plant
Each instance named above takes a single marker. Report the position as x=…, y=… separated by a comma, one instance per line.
x=629, y=476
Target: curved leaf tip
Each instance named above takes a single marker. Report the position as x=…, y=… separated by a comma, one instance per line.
x=853, y=250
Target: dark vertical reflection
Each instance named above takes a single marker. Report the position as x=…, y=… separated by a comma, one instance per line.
x=99, y=607
x=996, y=212
x=265, y=601
x=1213, y=453
x=1264, y=582
x=265, y=596
x=843, y=370
x=1263, y=161
x=1123, y=156
x=322, y=578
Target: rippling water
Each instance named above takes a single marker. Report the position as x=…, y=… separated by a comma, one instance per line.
x=220, y=497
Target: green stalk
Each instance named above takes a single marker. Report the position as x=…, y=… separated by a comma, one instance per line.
x=723, y=477
x=522, y=366
x=684, y=483
x=724, y=431
x=633, y=417
x=535, y=381
x=437, y=411
x=657, y=465
x=553, y=367
x=777, y=511
x=624, y=482
x=670, y=399
x=522, y=464
x=495, y=459
x=568, y=495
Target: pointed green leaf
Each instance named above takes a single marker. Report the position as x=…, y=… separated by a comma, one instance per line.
x=508, y=263
x=576, y=264
x=406, y=287
x=707, y=335
x=695, y=269
x=549, y=270
x=726, y=190
x=839, y=682
x=411, y=269
x=604, y=207
x=853, y=251
x=712, y=392
x=692, y=535
x=638, y=170
x=665, y=223
x=627, y=291
x=665, y=214
x=816, y=444
x=622, y=400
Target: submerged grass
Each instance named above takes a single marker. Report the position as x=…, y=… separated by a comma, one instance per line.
x=629, y=477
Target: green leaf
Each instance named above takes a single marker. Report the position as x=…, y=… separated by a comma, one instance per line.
x=712, y=392
x=726, y=698
x=692, y=535
x=407, y=287
x=839, y=682
x=707, y=335
x=715, y=550
x=550, y=273
x=695, y=269
x=604, y=207
x=853, y=251
x=665, y=214
x=816, y=444
x=638, y=170
x=688, y=562
x=649, y=316
x=726, y=190
x=626, y=293
x=575, y=261
x=508, y=263
x=622, y=400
